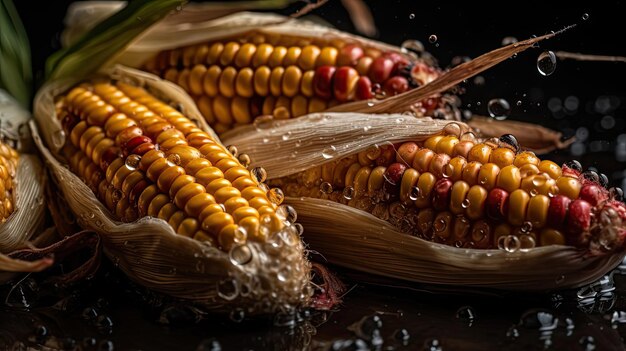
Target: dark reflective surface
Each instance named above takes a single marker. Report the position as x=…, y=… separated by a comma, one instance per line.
x=583, y=99
x=109, y=311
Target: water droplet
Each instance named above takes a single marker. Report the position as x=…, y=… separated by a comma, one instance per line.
x=329, y=152
x=509, y=243
x=510, y=141
x=237, y=315
x=58, y=139
x=509, y=40
x=466, y=313
x=244, y=159
x=526, y=227
x=209, y=345
x=588, y=343
x=412, y=45
x=575, y=165
x=264, y=187
x=117, y=195
x=412, y=16
x=373, y=152
x=533, y=192
x=233, y=150
x=604, y=180
x=498, y=108
x=519, y=103
x=546, y=63
x=479, y=81
x=453, y=129
x=240, y=255
x=432, y=39
x=326, y=187
x=512, y=333
x=287, y=213
x=173, y=160
x=132, y=162
x=276, y=196
x=348, y=193
x=482, y=181
x=227, y=289
x=263, y=122
x=616, y=193
x=585, y=16
x=415, y=193
x=259, y=173
x=465, y=203
x=432, y=345
x=402, y=335
x=439, y=225
x=89, y=313
x=591, y=176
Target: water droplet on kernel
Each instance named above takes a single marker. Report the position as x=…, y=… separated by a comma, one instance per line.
x=233, y=150
x=173, y=160
x=326, y=187
x=348, y=193
x=276, y=196
x=415, y=193
x=439, y=225
x=465, y=203
x=132, y=162
x=526, y=227
x=259, y=173
x=546, y=63
x=287, y=213
x=244, y=159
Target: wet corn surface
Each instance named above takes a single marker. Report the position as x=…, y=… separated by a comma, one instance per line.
x=110, y=313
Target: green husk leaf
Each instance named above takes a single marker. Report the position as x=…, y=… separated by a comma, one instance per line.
x=107, y=38
x=15, y=67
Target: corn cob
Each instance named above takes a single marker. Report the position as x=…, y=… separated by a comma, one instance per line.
x=457, y=191
x=235, y=80
x=142, y=157
x=9, y=159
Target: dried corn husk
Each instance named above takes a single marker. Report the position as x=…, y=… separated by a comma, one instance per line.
x=29, y=183
x=148, y=250
x=345, y=235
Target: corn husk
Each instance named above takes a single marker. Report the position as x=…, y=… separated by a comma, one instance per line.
x=358, y=240
x=148, y=250
x=28, y=194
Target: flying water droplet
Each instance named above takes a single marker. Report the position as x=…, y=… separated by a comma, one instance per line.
x=585, y=16
x=546, y=63
x=499, y=108
x=432, y=39
x=412, y=16
x=467, y=314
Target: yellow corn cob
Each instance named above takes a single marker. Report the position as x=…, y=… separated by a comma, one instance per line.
x=469, y=194
x=235, y=80
x=9, y=159
x=142, y=157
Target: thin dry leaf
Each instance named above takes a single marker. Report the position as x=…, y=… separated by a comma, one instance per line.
x=403, y=102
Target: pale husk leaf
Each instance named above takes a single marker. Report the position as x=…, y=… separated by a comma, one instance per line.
x=345, y=236
x=149, y=251
x=289, y=146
